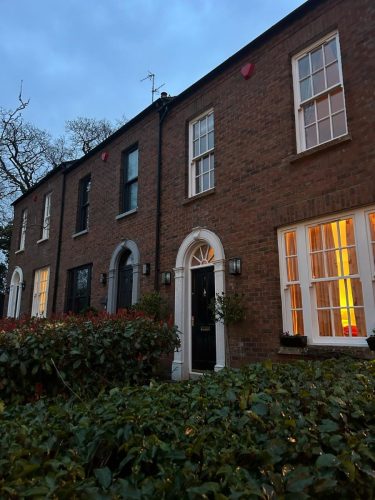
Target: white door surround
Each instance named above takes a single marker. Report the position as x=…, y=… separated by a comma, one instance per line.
x=134, y=260
x=181, y=366
x=15, y=292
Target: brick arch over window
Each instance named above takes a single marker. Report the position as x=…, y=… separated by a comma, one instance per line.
x=181, y=363
x=15, y=293
x=125, y=246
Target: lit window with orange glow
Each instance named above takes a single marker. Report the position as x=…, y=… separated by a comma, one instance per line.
x=203, y=256
x=294, y=287
x=328, y=278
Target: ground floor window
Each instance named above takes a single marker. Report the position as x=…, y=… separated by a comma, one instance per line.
x=15, y=292
x=40, y=292
x=327, y=278
x=79, y=289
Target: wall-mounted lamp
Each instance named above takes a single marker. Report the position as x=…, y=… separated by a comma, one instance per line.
x=146, y=269
x=166, y=278
x=103, y=278
x=7, y=289
x=235, y=265
x=23, y=285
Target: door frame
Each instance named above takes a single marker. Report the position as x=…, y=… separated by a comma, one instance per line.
x=181, y=366
x=15, y=293
x=132, y=247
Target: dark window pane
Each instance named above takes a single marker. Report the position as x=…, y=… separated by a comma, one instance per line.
x=330, y=51
x=304, y=67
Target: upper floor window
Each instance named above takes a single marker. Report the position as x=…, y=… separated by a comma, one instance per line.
x=46, y=216
x=40, y=292
x=129, y=192
x=83, y=203
x=201, y=153
x=319, y=94
x=79, y=289
x=327, y=284
x=22, y=240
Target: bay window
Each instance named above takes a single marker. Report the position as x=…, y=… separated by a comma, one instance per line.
x=327, y=278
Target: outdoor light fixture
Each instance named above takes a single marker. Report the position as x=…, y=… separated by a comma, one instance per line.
x=146, y=269
x=103, y=278
x=235, y=265
x=166, y=278
x=23, y=285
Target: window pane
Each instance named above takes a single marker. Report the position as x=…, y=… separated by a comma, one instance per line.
x=206, y=182
x=322, y=292
x=337, y=101
x=198, y=187
x=305, y=89
x=297, y=321
x=196, y=148
x=355, y=292
x=317, y=265
x=295, y=296
x=211, y=121
x=203, y=125
x=349, y=257
x=133, y=195
x=339, y=124
x=324, y=321
x=290, y=243
x=198, y=167
x=330, y=51
x=337, y=293
x=360, y=323
x=303, y=67
x=211, y=140
x=324, y=128
x=205, y=163
x=333, y=76
x=330, y=231
x=309, y=114
x=347, y=232
x=333, y=267
x=318, y=82
x=371, y=218
x=203, y=144
x=292, y=268
x=315, y=236
x=322, y=108
x=316, y=59
x=195, y=130
x=132, y=170
x=310, y=136
x=340, y=321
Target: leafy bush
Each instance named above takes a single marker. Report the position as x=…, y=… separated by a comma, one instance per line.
x=153, y=305
x=84, y=354
x=228, y=309
x=304, y=430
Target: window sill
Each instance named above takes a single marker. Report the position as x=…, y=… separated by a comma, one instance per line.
x=329, y=351
x=42, y=240
x=320, y=148
x=198, y=196
x=125, y=214
x=80, y=233
x=21, y=250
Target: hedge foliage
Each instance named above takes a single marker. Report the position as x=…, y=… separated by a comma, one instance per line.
x=80, y=354
x=303, y=430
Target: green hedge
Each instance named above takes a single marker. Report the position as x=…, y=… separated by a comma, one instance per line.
x=298, y=431
x=80, y=354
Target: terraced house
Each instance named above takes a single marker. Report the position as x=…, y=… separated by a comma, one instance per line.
x=258, y=179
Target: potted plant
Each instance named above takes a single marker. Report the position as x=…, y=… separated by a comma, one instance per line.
x=371, y=340
x=288, y=339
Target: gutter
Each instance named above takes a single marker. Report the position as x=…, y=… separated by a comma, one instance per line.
x=59, y=239
x=163, y=111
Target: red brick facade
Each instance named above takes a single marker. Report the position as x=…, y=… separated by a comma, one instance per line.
x=261, y=183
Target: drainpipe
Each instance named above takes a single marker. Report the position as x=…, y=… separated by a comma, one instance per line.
x=59, y=237
x=162, y=114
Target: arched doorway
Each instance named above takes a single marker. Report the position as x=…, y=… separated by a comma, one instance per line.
x=199, y=276
x=123, y=277
x=15, y=292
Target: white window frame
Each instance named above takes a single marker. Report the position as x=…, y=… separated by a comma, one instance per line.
x=23, y=229
x=38, y=293
x=365, y=272
x=46, y=217
x=193, y=160
x=298, y=103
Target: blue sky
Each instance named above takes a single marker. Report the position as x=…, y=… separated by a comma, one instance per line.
x=87, y=57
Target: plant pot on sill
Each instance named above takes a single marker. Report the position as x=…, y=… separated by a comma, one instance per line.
x=371, y=342
x=293, y=340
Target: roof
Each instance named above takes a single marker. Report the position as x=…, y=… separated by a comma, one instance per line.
x=261, y=39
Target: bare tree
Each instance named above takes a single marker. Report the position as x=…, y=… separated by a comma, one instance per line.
x=86, y=133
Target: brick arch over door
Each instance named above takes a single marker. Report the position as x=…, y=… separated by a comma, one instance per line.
x=125, y=246
x=181, y=368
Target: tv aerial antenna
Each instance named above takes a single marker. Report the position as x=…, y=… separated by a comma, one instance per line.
x=154, y=90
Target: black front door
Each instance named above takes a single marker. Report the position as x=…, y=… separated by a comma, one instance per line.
x=203, y=323
x=125, y=284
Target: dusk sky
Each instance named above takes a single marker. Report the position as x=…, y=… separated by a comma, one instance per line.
x=87, y=57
